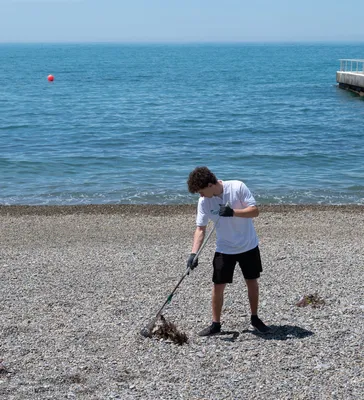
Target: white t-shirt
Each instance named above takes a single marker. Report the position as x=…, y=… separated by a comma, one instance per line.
x=234, y=235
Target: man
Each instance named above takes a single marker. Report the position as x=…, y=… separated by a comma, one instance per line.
x=233, y=206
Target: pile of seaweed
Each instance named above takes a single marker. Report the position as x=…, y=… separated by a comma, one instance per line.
x=168, y=331
x=314, y=300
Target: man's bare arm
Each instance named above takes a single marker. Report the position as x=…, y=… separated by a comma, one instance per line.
x=198, y=238
x=249, y=212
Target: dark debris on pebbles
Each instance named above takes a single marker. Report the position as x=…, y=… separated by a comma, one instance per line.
x=167, y=330
x=314, y=300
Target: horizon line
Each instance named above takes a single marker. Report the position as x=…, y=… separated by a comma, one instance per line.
x=313, y=41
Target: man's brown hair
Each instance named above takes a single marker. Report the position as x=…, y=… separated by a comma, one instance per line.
x=199, y=179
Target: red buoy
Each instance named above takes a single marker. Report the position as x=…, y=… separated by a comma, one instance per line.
x=50, y=78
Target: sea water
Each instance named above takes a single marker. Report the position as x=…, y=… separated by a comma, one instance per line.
x=126, y=123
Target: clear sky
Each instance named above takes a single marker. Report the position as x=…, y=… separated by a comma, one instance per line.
x=181, y=20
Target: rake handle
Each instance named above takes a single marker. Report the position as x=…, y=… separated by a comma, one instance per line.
x=188, y=268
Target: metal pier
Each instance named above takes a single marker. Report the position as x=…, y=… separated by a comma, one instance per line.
x=351, y=75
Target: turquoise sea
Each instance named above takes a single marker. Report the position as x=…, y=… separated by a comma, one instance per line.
x=127, y=123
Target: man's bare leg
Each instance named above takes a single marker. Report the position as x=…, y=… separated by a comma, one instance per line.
x=217, y=301
x=253, y=295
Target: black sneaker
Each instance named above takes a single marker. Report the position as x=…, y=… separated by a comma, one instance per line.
x=259, y=325
x=213, y=329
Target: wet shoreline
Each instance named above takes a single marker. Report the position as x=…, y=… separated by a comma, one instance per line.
x=157, y=210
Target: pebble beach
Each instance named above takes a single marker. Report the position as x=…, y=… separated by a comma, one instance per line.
x=78, y=283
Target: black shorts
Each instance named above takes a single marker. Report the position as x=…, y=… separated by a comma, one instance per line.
x=224, y=265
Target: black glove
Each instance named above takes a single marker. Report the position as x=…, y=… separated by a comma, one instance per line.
x=226, y=211
x=190, y=264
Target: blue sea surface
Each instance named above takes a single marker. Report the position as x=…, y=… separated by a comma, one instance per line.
x=127, y=123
